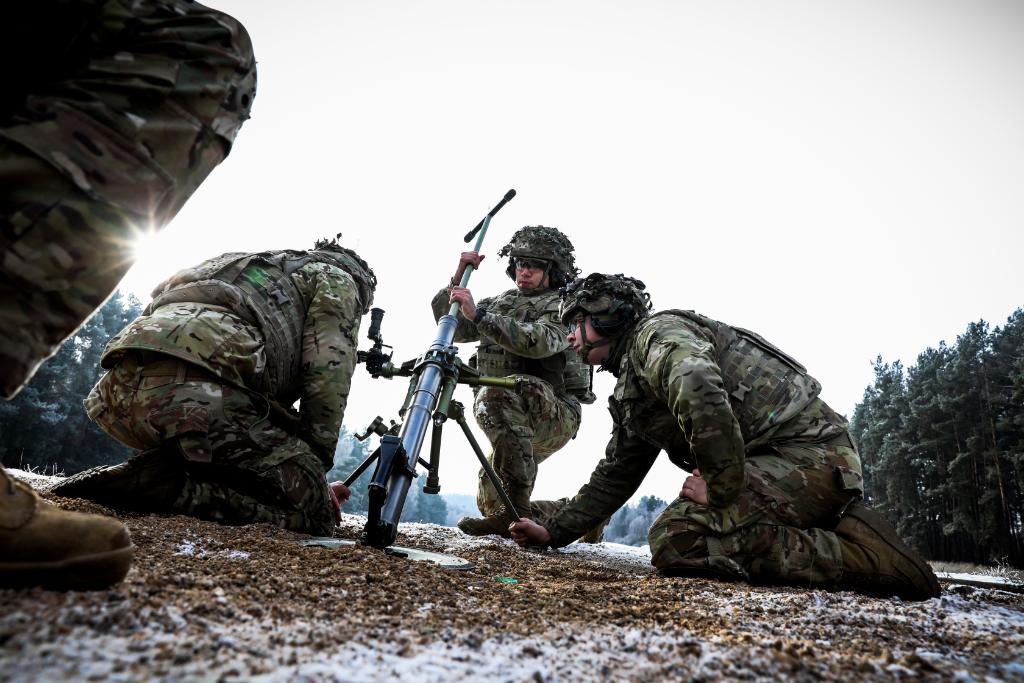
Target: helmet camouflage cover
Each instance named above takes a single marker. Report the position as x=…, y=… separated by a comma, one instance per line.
x=351, y=263
x=540, y=242
x=613, y=301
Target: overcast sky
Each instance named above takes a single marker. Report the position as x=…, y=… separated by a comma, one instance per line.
x=844, y=178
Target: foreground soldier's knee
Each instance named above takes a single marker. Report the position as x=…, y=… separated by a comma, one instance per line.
x=681, y=547
x=673, y=541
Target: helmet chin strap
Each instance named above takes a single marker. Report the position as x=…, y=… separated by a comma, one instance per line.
x=589, y=346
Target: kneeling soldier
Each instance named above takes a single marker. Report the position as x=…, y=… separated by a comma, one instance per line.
x=520, y=333
x=203, y=383
x=776, y=484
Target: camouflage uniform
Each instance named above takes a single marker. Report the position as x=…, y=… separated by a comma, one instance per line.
x=115, y=114
x=779, y=465
x=203, y=380
x=521, y=334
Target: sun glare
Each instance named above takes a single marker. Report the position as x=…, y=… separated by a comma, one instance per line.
x=146, y=244
x=156, y=255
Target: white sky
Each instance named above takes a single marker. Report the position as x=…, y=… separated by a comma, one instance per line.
x=844, y=178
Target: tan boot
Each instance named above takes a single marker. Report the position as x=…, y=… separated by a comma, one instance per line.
x=498, y=522
x=877, y=561
x=42, y=545
x=483, y=526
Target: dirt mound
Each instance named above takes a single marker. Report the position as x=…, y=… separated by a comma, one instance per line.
x=209, y=602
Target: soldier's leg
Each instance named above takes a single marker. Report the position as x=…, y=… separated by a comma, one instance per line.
x=688, y=539
x=500, y=413
x=62, y=256
x=778, y=531
x=103, y=151
x=524, y=429
x=212, y=452
x=245, y=470
x=120, y=404
x=556, y=423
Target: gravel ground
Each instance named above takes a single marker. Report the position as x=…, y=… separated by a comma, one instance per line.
x=208, y=602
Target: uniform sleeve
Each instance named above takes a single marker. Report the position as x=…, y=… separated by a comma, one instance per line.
x=680, y=368
x=465, y=330
x=329, y=340
x=541, y=338
x=627, y=461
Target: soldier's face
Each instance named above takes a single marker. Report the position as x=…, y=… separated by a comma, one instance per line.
x=585, y=341
x=531, y=273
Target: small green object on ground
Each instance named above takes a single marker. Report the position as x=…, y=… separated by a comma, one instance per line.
x=506, y=579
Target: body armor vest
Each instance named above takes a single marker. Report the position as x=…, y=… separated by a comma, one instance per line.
x=766, y=388
x=564, y=370
x=258, y=289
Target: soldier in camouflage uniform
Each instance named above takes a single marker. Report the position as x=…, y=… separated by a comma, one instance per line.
x=520, y=334
x=112, y=112
x=204, y=380
x=774, y=494
x=116, y=112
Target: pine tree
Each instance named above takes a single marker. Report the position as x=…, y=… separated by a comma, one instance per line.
x=942, y=445
x=630, y=523
x=46, y=426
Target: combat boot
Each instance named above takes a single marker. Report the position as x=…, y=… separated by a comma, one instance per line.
x=877, y=561
x=498, y=522
x=42, y=545
x=147, y=481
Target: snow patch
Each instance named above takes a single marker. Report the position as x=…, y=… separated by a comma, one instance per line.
x=192, y=549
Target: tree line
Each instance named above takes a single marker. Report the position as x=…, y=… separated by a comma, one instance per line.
x=942, y=444
x=45, y=427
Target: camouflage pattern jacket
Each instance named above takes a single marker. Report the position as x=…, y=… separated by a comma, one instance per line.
x=522, y=334
x=705, y=393
x=157, y=92
x=282, y=324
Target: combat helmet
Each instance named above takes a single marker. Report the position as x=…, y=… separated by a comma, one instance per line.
x=614, y=302
x=351, y=263
x=548, y=244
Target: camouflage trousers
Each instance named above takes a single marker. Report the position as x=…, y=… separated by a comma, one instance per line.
x=234, y=466
x=103, y=152
x=780, y=528
x=524, y=430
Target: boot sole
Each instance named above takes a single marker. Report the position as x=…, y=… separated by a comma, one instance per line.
x=881, y=526
x=84, y=572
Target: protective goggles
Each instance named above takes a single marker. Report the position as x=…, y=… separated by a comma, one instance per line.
x=526, y=263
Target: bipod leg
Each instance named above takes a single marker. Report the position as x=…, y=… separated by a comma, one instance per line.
x=433, y=484
x=456, y=412
x=362, y=466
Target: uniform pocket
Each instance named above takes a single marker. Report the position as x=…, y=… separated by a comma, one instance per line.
x=188, y=424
